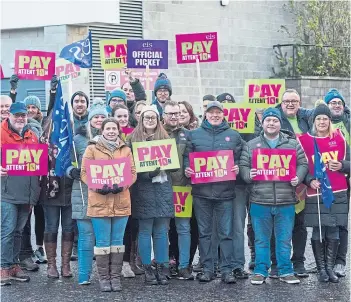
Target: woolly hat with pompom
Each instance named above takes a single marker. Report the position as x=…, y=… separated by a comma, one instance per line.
x=98, y=107
x=152, y=108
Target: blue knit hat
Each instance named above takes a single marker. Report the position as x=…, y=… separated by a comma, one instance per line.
x=272, y=112
x=98, y=107
x=117, y=93
x=163, y=82
x=332, y=94
x=32, y=100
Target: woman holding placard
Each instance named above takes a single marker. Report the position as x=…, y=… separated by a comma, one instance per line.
x=152, y=201
x=108, y=207
x=326, y=217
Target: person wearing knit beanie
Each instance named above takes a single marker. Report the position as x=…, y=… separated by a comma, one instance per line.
x=97, y=108
x=33, y=105
x=225, y=98
x=334, y=95
x=321, y=109
x=163, y=92
x=117, y=96
x=272, y=112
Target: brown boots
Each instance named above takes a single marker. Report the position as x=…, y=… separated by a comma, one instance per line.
x=116, y=263
x=50, y=240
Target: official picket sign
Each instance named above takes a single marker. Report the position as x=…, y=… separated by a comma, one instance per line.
x=152, y=154
x=66, y=70
x=113, y=53
x=201, y=46
x=331, y=149
x=152, y=53
x=34, y=65
x=274, y=164
x=212, y=166
x=183, y=201
x=108, y=172
x=25, y=160
x=264, y=92
x=240, y=116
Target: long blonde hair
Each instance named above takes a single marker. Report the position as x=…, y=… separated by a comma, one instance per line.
x=331, y=129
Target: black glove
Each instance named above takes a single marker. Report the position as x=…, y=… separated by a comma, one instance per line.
x=116, y=189
x=14, y=81
x=75, y=173
x=155, y=172
x=25, y=129
x=54, y=82
x=104, y=191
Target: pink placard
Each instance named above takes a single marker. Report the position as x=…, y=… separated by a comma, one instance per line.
x=1, y=73
x=212, y=166
x=25, y=160
x=34, y=65
x=109, y=172
x=274, y=164
x=202, y=46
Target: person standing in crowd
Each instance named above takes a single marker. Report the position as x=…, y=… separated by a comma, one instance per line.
x=137, y=111
x=108, y=207
x=80, y=106
x=207, y=99
x=5, y=104
x=86, y=239
x=152, y=201
x=272, y=204
x=116, y=97
x=163, y=92
x=325, y=249
x=123, y=117
x=225, y=98
x=215, y=199
x=340, y=117
x=18, y=195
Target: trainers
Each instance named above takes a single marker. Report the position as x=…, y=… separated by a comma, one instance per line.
x=17, y=274
x=258, y=279
x=273, y=273
x=185, y=274
x=291, y=279
x=299, y=270
x=228, y=278
x=40, y=255
x=29, y=265
x=239, y=273
x=197, y=268
x=206, y=277
x=5, y=277
x=127, y=270
x=340, y=270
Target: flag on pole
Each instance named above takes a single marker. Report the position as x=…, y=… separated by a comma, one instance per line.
x=321, y=174
x=62, y=135
x=79, y=53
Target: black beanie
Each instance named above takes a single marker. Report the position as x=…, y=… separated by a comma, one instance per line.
x=321, y=110
x=225, y=97
x=79, y=93
x=209, y=97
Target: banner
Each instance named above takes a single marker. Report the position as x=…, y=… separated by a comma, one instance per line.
x=1, y=73
x=109, y=172
x=183, y=201
x=201, y=46
x=153, y=53
x=66, y=70
x=152, y=154
x=113, y=53
x=264, y=92
x=115, y=78
x=25, y=160
x=34, y=65
x=330, y=149
x=212, y=166
x=274, y=164
x=240, y=116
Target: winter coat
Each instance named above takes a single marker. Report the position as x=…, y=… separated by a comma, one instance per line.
x=272, y=192
x=18, y=189
x=110, y=205
x=79, y=121
x=302, y=117
x=207, y=138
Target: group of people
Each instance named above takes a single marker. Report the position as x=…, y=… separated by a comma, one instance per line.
x=117, y=226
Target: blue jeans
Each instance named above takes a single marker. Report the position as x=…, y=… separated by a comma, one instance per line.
x=86, y=242
x=109, y=231
x=13, y=220
x=331, y=233
x=158, y=229
x=205, y=211
x=52, y=219
x=264, y=218
x=184, y=239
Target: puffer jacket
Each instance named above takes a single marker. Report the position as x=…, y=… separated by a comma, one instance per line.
x=19, y=189
x=110, y=205
x=79, y=121
x=208, y=138
x=272, y=192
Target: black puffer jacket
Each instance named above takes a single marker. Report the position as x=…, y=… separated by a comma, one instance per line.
x=302, y=117
x=271, y=192
x=207, y=138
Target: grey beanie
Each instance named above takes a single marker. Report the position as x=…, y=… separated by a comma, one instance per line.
x=32, y=100
x=98, y=107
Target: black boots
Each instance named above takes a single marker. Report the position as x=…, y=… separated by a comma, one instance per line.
x=318, y=252
x=150, y=277
x=116, y=263
x=102, y=255
x=331, y=251
x=160, y=274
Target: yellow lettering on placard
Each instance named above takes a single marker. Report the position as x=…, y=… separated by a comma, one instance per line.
x=36, y=155
x=10, y=155
x=286, y=160
x=23, y=60
x=94, y=170
x=223, y=161
x=198, y=163
x=24, y=157
x=46, y=62
x=212, y=164
x=334, y=154
x=35, y=62
x=108, y=172
x=274, y=162
x=119, y=168
x=207, y=45
x=261, y=160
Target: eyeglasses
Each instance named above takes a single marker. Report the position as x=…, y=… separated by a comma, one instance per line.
x=336, y=103
x=176, y=114
x=20, y=115
x=164, y=91
x=321, y=119
x=292, y=102
x=150, y=118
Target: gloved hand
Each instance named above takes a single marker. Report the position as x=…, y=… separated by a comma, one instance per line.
x=104, y=191
x=75, y=173
x=25, y=129
x=14, y=81
x=54, y=82
x=116, y=189
x=155, y=172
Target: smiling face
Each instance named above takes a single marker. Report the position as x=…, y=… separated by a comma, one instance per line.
x=97, y=120
x=122, y=116
x=171, y=116
x=162, y=95
x=110, y=131
x=290, y=104
x=271, y=126
x=149, y=120
x=18, y=121
x=322, y=123
x=184, y=118
x=80, y=105
x=129, y=92
x=336, y=107
x=32, y=111
x=215, y=116
x=138, y=110
x=5, y=104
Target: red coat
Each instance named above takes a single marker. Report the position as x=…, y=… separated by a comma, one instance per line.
x=10, y=137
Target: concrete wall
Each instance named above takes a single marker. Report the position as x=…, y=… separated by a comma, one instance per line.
x=247, y=30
